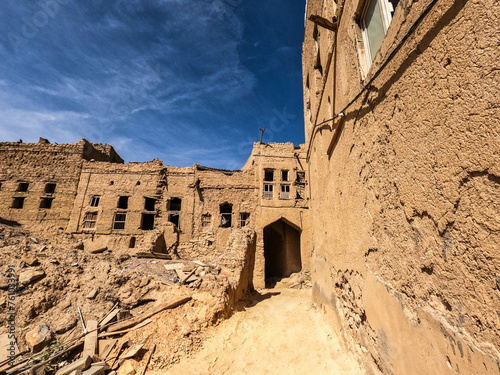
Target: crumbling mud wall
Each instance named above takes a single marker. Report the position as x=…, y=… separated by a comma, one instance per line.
x=239, y=260
x=38, y=181
x=406, y=186
x=140, y=207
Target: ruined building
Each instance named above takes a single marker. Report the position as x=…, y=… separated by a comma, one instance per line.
x=401, y=121
x=87, y=190
x=392, y=204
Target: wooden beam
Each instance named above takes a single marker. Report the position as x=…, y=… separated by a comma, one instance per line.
x=138, y=319
x=336, y=133
x=90, y=346
x=323, y=22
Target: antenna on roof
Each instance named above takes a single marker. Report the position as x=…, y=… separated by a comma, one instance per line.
x=262, y=134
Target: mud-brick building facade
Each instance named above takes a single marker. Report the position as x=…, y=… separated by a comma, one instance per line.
x=87, y=190
x=38, y=182
x=401, y=120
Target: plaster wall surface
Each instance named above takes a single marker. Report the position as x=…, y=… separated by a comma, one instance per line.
x=405, y=191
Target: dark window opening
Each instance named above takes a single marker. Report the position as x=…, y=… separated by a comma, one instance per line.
x=174, y=218
x=301, y=177
x=149, y=204
x=148, y=221
x=226, y=213
x=123, y=203
x=89, y=220
x=284, y=175
x=119, y=221
x=23, y=186
x=174, y=204
x=50, y=188
x=206, y=220
x=268, y=175
x=94, y=200
x=299, y=192
x=244, y=219
x=0, y=185
x=46, y=203
x=18, y=202
x=131, y=244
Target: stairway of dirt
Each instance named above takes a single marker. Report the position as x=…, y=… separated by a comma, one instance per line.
x=280, y=333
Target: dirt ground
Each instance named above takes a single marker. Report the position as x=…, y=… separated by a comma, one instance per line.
x=279, y=332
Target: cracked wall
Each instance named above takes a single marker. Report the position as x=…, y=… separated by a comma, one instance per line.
x=404, y=209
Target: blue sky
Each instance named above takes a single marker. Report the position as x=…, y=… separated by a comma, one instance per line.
x=187, y=81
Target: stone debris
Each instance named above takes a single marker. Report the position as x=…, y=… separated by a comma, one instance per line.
x=92, y=294
x=30, y=276
x=39, y=337
x=29, y=260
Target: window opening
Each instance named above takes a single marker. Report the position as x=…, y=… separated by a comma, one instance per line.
x=299, y=190
x=284, y=175
x=149, y=204
x=268, y=175
x=94, y=201
x=375, y=21
x=174, y=211
x=89, y=220
x=18, y=202
x=174, y=204
x=268, y=191
x=148, y=221
x=317, y=63
x=119, y=221
x=174, y=218
x=131, y=244
x=123, y=203
x=285, y=192
x=244, y=219
x=50, y=188
x=46, y=203
x=226, y=213
x=23, y=186
x=206, y=220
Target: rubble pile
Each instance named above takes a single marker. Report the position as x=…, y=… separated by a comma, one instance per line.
x=101, y=311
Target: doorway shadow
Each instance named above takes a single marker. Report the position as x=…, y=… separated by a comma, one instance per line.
x=253, y=299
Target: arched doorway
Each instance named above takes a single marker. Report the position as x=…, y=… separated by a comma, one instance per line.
x=281, y=250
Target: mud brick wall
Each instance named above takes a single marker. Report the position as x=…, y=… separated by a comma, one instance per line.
x=108, y=182
x=39, y=164
x=404, y=207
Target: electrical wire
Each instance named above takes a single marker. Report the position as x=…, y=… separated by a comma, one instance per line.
x=378, y=71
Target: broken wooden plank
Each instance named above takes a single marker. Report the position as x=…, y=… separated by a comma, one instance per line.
x=186, y=278
x=80, y=364
x=108, y=318
x=132, y=352
x=180, y=273
x=129, y=323
x=148, y=360
x=105, y=347
x=109, y=312
x=140, y=325
x=153, y=255
x=90, y=345
x=123, y=345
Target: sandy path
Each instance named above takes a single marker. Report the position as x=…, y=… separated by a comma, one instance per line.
x=281, y=334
